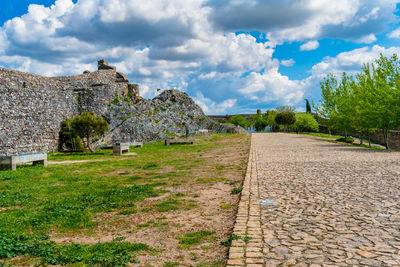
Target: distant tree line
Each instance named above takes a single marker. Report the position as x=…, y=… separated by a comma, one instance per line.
x=282, y=118
x=365, y=102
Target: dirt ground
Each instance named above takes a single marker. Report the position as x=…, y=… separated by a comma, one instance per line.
x=213, y=208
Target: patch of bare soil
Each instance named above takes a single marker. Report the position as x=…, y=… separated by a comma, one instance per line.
x=209, y=186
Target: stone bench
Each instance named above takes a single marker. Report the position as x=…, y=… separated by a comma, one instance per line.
x=10, y=162
x=179, y=141
x=119, y=148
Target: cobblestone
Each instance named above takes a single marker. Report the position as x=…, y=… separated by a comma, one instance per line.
x=324, y=204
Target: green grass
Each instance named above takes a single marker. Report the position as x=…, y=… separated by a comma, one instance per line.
x=194, y=238
x=36, y=202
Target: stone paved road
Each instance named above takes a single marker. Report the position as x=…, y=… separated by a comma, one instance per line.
x=335, y=205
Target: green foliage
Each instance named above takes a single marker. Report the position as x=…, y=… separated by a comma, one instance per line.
x=195, y=238
x=367, y=102
x=308, y=106
x=236, y=190
x=49, y=252
x=239, y=120
x=285, y=118
x=68, y=137
x=305, y=122
x=259, y=122
x=88, y=126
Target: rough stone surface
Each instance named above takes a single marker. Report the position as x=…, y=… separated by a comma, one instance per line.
x=165, y=116
x=32, y=107
x=333, y=205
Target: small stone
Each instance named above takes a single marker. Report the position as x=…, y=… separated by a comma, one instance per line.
x=367, y=254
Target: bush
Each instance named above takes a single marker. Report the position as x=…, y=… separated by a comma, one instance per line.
x=285, y=118
x=239, y=120
x=305, y=122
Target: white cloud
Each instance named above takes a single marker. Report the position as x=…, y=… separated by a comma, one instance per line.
x=273, y=86
x=190, y=45
x=311, y=45
x=211, y=107
x=351, y=61
x=395, y=33
x=288, y=63
x=370, y=38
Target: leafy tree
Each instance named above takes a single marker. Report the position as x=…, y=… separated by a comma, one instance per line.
x=308, y=106
x=285, y=118
x=305, y=122
x=68, y=137
x=88, y=126
x=271, y=114
x=239, y=120
x=259, y=122
x=380, y=94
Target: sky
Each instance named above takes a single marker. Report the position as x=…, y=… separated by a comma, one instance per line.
x=230, y=56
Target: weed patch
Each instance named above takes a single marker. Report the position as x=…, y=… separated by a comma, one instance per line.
x=194, y=238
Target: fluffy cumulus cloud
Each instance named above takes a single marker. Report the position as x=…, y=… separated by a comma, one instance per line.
x=352, y=61
x=202, y=47
x=311, y=45
x=395, y=33
x=305, y=19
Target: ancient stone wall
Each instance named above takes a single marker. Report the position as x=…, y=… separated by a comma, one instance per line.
x=32, y=107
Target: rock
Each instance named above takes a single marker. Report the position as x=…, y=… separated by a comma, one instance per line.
x=165, y=116
x=366, y=254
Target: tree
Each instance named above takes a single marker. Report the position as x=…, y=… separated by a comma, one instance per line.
x=88, y=126
x=308, y=106
x=239, y=120
x=271, y=114
x=285, y=118
x=305, y=122
x=259, y=121
x=68, y=138
x=380, y=98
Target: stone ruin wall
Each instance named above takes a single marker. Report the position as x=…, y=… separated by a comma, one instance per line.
x=32, y=107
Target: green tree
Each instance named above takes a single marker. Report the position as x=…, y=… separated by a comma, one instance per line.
x=285, y=118
x=89, y=126
x=259, y=121
x=305, y=122
x=380, y=94
x=68, y=137
x=271, y=114
x=308, y=106
x=239, y=120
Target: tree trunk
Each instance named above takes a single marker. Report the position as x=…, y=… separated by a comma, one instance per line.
x=386, y=137
x=88, y=144
x=369, y=139
x=361, y=138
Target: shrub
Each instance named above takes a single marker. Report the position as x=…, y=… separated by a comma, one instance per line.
x=285, y=118
x=239, y=120
x=305, y=122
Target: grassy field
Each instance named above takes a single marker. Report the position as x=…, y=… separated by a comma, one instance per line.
x=165, y=206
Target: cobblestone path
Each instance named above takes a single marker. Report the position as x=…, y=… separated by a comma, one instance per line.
x=307, y=202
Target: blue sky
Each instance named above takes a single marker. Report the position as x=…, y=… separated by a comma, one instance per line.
x=231, y=56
